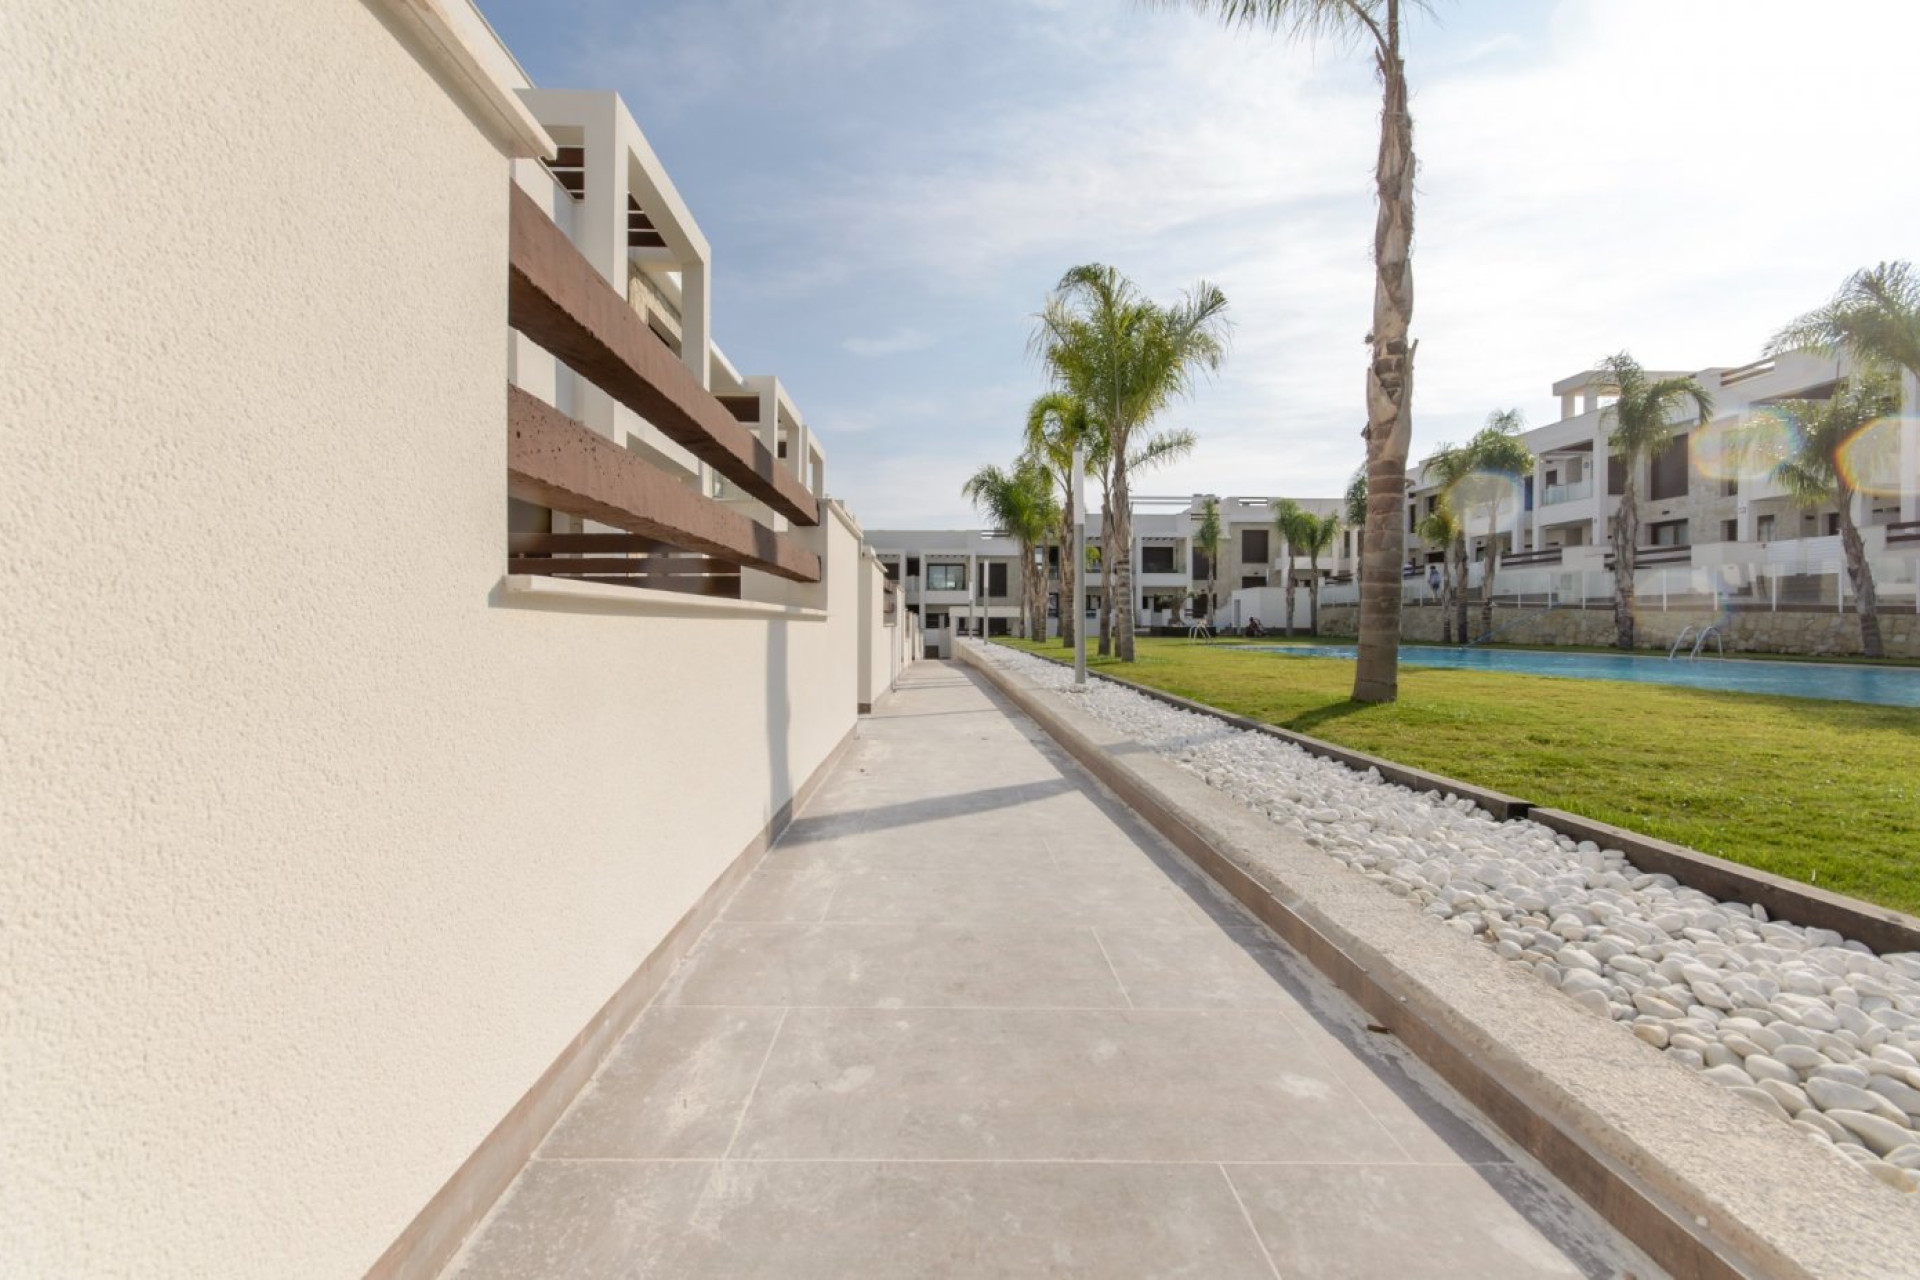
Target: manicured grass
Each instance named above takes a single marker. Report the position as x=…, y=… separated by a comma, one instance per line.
x=1821, y=792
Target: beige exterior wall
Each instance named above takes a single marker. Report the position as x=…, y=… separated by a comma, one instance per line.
x=320, y=844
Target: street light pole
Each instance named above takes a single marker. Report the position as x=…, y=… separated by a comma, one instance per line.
x=1079, y=551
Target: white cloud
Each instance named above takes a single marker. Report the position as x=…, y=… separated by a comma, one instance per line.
x=1673, y=179
x=892, y=344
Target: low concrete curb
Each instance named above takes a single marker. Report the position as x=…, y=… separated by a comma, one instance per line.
x=1881, y=928
x=1707, y=1185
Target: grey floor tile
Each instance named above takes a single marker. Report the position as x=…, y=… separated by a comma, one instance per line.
x=752, y=1221
x=895, y=966
x=959, y=894
x=673, y=1087
x=1047, y=1085
x=1209, y=968
x=1396, y=1090
x=784, y=890
x=1409, y=1223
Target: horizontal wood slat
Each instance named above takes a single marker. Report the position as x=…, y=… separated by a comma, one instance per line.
x=682, y=570
x=556, y=462
x=556, y=298
x=535, y=544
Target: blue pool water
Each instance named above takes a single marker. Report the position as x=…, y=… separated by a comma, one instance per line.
x=1887, y=686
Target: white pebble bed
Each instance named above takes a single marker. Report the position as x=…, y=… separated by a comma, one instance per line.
x=1803, y=1023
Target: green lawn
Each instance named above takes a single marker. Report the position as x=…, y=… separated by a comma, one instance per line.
x=1821, y=792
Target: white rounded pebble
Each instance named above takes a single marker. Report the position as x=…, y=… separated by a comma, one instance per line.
x=1880, y=1136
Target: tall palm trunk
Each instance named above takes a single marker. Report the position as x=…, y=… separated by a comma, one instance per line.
x=1866, y=599
x=1069, y=620
x=1486, y=575
x=1626, y=538
x=1446, y=596
x=1313, y=595
x=1106, y=578
x=1036, y=594
x=1288, y=580
x=1123, y=569
x=1389, y=384
x=1462, y=565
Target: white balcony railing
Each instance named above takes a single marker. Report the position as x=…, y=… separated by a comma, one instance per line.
x=1559, y=493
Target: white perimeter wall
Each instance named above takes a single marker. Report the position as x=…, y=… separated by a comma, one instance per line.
x=316, y=851
x=1269, y=604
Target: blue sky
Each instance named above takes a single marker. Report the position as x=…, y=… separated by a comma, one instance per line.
x=891, y=186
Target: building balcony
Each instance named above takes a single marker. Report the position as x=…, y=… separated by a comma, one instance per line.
x=1555, y=494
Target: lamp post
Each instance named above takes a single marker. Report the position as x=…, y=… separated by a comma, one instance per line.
x=1079, y=480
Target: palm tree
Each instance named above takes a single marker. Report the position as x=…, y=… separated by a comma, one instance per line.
x=1817, y=474
x=1450, y=466
x=1353, y=507
x=1643, y=423
x=1206, y=540
x=1127, y=357
x=1375, y=25
x=1875, y=317
x=1296, y=528
x=1498, y=457
x=1020, y=503
x=1056, y=424
x=1317, y=535
x=1442, y=528
x=1153, y=451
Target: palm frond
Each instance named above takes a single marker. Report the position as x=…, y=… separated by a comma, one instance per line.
x=1160, y=449
x=1337, y=21
x=1875, y=318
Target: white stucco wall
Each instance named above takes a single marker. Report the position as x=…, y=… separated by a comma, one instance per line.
x=316, y=853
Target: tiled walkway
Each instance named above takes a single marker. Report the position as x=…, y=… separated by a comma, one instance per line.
x=970, y=1019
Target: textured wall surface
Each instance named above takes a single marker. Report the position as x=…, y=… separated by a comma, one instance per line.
x=315, y=853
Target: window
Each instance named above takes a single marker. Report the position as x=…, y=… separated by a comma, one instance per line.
x=1668, y=533
x=1729, y=531
x=1833, y=523
x=913, y=566
x=1157, y=560
x=1053, y=604
x=936, y=622
x=946, y=577
x=1201, y=566
x=1253, y=547
x=1763, y=528
x=1253, y=580
x=999, y=626
x=1670, y=470
x=997, y=581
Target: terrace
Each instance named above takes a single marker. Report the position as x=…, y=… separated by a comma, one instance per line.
x=971, y=1016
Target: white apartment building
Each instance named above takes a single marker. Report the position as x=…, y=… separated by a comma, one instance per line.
x=967, y=581
x=1713, y=523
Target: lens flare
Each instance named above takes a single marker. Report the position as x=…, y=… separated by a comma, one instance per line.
x=1869, y=460
x=1745, y=448
x=1481, y=494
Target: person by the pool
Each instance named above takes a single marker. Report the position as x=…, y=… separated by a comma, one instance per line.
x=1433, y=582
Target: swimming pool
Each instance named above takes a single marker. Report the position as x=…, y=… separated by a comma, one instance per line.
x=1886, y=686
